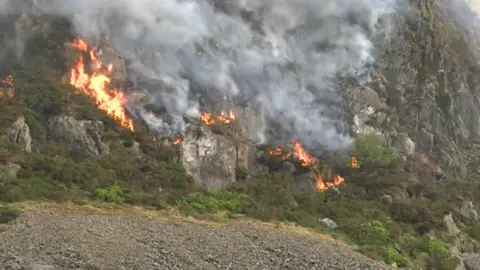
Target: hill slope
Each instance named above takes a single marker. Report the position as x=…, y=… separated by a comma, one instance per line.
x=410, y=201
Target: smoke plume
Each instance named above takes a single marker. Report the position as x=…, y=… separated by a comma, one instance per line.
x=280, y=56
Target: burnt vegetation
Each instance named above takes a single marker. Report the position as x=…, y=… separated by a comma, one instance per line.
x=394, y=232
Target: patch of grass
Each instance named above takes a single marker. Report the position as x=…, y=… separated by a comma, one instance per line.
x=112, y=194
x=8, y=214
x=214, y=201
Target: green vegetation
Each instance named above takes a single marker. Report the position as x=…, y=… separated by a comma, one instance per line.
x=8, y=214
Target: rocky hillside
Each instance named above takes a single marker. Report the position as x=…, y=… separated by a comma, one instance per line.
x=138, y=242
x=82, y=124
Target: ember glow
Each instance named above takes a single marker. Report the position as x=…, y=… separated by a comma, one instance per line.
x=353, y=163
x=177, y=140
x=6, y=87
x=208, y=118
x=96, y=84
x=301, y=154
x=306, y=160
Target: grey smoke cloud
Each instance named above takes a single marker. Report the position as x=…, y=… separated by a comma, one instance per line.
x=284, y=58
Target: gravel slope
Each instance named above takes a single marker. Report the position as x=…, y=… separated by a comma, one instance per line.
x=50, y=239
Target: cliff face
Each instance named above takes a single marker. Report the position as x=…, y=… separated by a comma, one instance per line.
x=425, y=87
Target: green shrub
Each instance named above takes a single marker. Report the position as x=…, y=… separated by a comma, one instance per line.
x=8, y=214
x=370, y=152
x=111, y=194
x=474, y=232
x=391, y=255
x=440, y=257
x=38, y=187
x=214, y=201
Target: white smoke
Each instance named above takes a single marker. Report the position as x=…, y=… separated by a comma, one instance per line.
x=284, y=57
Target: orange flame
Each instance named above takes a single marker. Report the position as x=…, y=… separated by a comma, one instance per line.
x=208, y=118
x=96, y=85
x=279, y=152
x=6, y=85
x=353, y=163
x=301, y=154
x=177, y=140
x=323, y=185
x=307, y=160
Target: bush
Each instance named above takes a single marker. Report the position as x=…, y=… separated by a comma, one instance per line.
x=214, y=201
x=440, y=257
x=111, y=194
x=8, y=214
x=370, y=152
x=474, y=232
x=391, y=255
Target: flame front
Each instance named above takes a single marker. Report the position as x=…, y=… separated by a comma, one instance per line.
x=301, y=154
x=279, y=153
x=323, y=185
x=177, y=140
x=6, y=87
x=353, y=163
x=96, y=85
x=307, y=160
x=208, y=118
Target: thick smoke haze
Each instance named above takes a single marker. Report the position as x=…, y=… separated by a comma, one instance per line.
x=279, y=56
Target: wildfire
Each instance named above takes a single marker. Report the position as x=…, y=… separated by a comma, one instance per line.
x=279, y=153
x=208, y=118
x=177, y=140
x=307, y=160
x=96, y=85
x=299, y=153
x=323, y=185
x=6, y=86
x=354, y=163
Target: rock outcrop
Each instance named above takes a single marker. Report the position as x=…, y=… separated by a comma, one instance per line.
x=78, y=135
x=212, y=158
x=19, y=133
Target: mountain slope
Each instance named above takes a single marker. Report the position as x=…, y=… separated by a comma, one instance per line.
x=410, y=201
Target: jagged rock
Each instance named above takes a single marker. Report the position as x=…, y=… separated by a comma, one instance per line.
x=246, y=152
x=19, y=133
x=109, y=55
x=450, y=224
x=251, y=124
x=288, y=166
x=212, y=159
x=78, y=135
x=471, y=261
x=405, y=144
x=425, y=139
x=363, y=97
x=467, y=211
x=386, y=199
x=360, y=121
x=329, y=223
x=303, y=182
x=364, y=103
